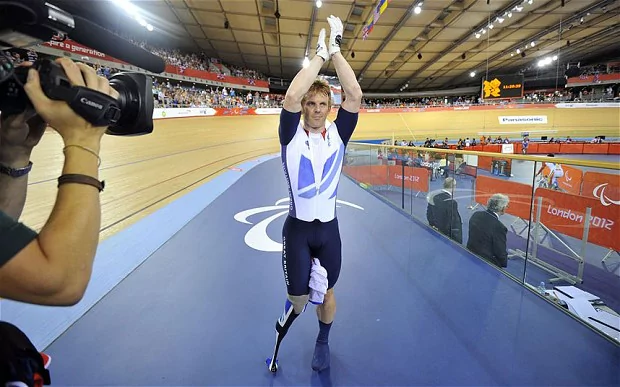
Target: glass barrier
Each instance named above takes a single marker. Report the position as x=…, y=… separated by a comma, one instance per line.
x=551, y=223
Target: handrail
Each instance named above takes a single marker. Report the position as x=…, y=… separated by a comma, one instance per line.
x=512, y=156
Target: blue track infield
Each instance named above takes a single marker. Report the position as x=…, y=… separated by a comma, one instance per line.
x=413, y=309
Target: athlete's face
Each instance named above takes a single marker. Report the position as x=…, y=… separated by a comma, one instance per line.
x=316, y=109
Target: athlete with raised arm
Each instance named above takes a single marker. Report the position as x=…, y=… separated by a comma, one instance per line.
x=312, y=154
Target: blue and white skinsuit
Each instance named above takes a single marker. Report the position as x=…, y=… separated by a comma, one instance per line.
x=312, y=164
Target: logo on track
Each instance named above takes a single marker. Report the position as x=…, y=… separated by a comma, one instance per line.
x=257, y=237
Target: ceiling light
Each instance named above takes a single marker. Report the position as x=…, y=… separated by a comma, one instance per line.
x=555, y=57
x=417, y=10
x=319, y=3
x=477, y=35
x=149, y=27
x=509, y=15
x=518, y=51
x=306, y=62
x=533, y=44
x=472, y=74
x=500, y=20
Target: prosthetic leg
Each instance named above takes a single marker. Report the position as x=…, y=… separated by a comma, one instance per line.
x=291, y=311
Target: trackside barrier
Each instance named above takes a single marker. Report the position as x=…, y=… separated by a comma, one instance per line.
x=589, y=218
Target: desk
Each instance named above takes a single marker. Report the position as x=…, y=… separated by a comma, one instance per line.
x=588, y=307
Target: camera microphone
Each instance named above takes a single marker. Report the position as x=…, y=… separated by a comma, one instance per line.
x=100, y=39
x=26, y=23
x=29, y=22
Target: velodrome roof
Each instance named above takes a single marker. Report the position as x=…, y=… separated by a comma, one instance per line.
x=437, y=48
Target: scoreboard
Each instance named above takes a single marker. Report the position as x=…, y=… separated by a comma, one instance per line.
x=502, y=87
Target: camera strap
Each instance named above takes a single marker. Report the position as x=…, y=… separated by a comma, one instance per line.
x=95, y=107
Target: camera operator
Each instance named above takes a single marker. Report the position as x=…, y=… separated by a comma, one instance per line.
x=54, y=266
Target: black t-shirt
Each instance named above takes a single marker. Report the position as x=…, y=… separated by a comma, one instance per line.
x=14, y=236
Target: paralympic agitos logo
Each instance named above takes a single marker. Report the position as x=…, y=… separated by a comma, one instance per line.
x=257, y=237
x=599, y=192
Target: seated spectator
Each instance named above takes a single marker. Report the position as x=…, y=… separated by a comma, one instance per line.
x=442, y=211
x=487, y=234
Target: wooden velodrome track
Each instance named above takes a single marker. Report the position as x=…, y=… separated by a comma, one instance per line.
x=145, y=173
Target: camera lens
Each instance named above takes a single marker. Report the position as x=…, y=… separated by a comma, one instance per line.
x=128, y=99
x=135, y=102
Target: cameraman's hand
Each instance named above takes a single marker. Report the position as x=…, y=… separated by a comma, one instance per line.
x=19, y=134
x=23, y=130
x=73, y=128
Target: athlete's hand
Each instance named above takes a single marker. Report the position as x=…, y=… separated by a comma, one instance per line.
x=335, y=34
x=321, y=48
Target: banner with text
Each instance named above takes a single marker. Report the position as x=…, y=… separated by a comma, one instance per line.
x=508, y=148
x=183, y=112
x=522, y=120
x=416, y=179
x=503, y=86
x=77, y=48
x=74, y=47
x=566, y=213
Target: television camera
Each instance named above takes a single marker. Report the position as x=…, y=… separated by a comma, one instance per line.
x=26, y=23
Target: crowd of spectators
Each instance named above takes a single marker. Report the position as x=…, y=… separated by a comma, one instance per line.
x=200, y=62
x=169, y=95
x=179, y=94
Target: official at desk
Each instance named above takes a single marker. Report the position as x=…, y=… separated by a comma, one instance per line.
x=487, y=234
x=442, y=211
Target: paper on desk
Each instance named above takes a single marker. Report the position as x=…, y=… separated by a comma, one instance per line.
x=581, y=307
x=577, y=293
x=610, y=320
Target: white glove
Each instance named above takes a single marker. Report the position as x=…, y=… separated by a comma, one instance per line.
x=335, y=34
x=321, y=48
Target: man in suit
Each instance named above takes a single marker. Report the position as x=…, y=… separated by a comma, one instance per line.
x=442, y=211
x=487, y=234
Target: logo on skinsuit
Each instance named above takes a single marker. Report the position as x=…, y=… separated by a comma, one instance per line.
x=257, y=237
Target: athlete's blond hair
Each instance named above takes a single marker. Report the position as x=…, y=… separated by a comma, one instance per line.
x=319, y=86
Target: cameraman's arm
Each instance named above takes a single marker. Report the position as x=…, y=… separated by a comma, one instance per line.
x=55, y=268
